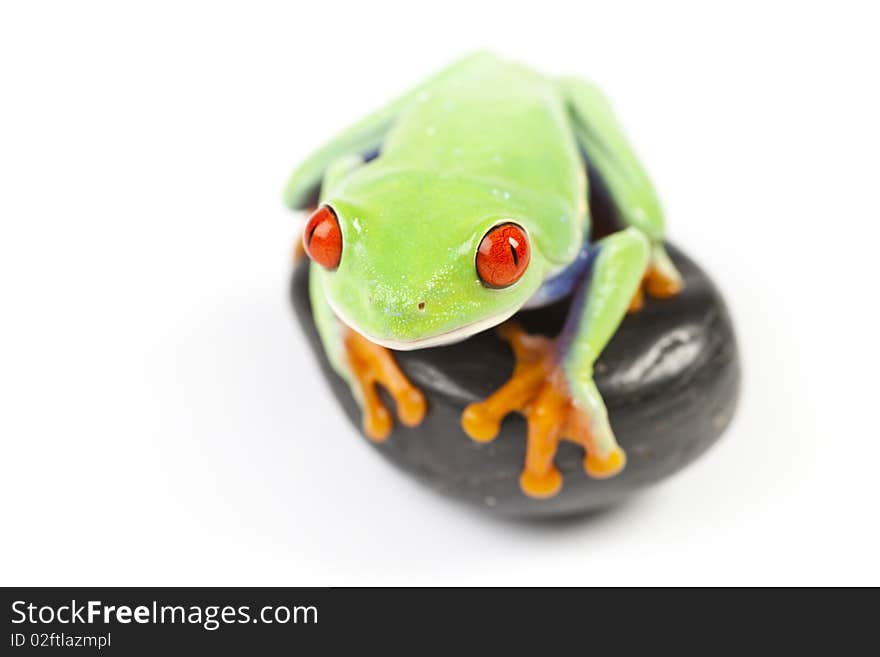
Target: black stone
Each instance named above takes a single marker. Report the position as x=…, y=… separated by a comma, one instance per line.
x=669, y=377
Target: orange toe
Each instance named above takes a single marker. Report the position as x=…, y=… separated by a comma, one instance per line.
x=377, y=423
x=637, y=302
x=660, y=285
x=479, y=424
x=603, y=468
x=411, y=407
x=541, y=486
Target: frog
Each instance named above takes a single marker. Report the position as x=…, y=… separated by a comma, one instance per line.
x=454, y=207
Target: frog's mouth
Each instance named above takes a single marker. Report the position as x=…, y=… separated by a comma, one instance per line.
x=436, y=340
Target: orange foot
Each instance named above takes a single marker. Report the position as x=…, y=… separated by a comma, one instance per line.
x=372, y=364
x=538, y=389
x=659, y=284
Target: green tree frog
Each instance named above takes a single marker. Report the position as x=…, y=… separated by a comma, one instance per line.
x=460, y=203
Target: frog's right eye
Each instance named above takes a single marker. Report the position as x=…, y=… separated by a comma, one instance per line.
x=503, y=255
x=322, y=238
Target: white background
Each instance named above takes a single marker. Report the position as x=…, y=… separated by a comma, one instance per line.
x=161, y=417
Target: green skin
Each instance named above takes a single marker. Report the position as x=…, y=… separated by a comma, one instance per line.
x=484, y=142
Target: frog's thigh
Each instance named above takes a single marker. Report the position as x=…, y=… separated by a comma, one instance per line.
x=366, y=135
x=339, y=170
x=600, y=305
x=612, y=157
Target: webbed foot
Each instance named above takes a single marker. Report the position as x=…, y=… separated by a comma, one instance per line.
x=557, y=407
x=373, y=364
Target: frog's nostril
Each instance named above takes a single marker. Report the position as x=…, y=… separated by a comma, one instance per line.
x=421, y=306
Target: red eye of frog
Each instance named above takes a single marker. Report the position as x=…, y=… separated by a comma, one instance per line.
x=322, y=238
x=503, y=255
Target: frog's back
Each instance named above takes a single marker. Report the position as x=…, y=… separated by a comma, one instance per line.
x=496, y=121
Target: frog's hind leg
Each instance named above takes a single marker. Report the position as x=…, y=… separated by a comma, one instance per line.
x=364, y=365
x=362, y=140
x=615, y=166
x=365, y=137
x=552, y=383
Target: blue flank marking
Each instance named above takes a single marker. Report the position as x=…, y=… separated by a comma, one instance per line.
x=561, y=285
x=573, y=279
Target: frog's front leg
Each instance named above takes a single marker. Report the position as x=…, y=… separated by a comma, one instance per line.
x=552, y=383
x=364, y=365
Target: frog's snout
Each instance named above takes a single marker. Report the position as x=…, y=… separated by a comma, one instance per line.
x=403, y=316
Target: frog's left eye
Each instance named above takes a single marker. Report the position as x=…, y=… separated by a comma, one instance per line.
x=322, y=238
x=503, y=255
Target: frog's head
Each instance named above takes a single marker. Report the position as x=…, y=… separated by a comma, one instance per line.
x=413, y=262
